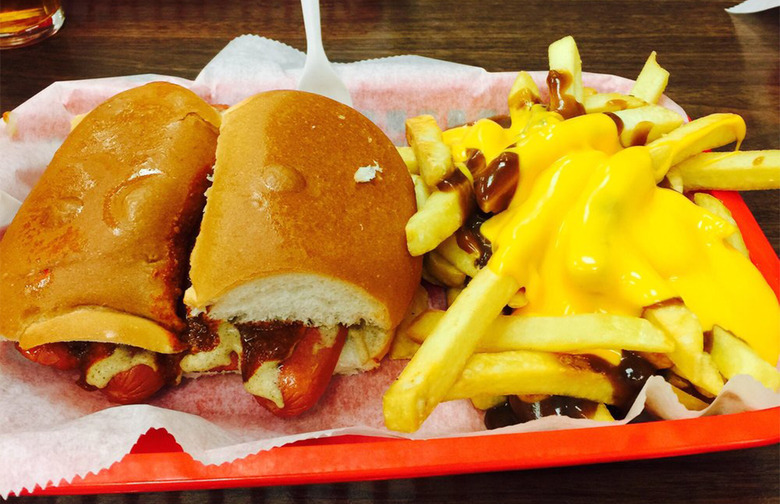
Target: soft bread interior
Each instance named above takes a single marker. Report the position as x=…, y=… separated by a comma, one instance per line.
x=316, y=300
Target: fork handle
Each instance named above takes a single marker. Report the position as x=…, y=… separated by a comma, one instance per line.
x=311, y=22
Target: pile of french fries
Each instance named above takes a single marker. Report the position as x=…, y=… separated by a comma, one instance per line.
x=477, y=349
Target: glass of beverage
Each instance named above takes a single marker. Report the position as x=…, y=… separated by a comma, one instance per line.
x=24, y=22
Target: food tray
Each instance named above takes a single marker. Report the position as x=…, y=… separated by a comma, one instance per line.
x=157, y=462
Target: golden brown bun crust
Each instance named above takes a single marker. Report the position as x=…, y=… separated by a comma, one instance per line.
x=109, y=222
x=284, y=200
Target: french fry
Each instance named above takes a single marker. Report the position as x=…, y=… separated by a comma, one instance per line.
x=473, y=351
x=610, y=102
x=433, y=156
x=526, y=372
x=439, y=362
x=608, y=355
x=734, y=171
x=402, y=346
x=424, y=324
x=440, y=216
x=421, y=191
x=657, y=359
x=674, y=180
x=434, y=160
x=464, y=261
x=422, y=128
x=709, y=132
x=733, y=356
x=534, y=118
x=518, y=300
x=524, y=92
x=564, y=56
x=714, y=205
x=407, y=154
x=677, y=381
x=440, y=271
x=690, y=360
x=485, y=402
x=452, y=294
x=602, y=414
x=651, y=82
x=573, y=333
x=646, y=123
x=690, y=402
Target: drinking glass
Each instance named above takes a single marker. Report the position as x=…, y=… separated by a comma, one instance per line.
x=24, y=22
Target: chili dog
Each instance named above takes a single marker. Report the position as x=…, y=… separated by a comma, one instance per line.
x=300, y=268
x=301, y=260
x=94, y=263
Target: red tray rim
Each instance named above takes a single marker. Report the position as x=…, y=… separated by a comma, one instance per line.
x=161, y=465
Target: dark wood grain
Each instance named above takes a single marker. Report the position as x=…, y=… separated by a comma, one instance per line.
x=718, y=62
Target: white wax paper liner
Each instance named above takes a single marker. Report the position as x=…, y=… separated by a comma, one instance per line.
x=54, y=431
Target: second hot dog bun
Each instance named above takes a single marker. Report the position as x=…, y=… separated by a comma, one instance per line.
x=289, y=234
x=98, y=250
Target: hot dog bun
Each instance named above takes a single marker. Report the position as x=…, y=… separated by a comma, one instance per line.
x=97, y=251
x=288, y=233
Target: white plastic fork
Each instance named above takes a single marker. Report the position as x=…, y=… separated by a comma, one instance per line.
x=318, y=74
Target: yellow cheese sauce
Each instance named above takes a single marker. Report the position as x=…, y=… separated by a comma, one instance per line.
x=265, y=383
x=588, y=230
x=489, y=137
x=122, y=359
x=220, y=356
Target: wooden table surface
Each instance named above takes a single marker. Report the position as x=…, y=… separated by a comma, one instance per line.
x=718, y=63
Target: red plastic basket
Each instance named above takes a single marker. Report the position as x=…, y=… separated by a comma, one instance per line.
x=157, y=463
